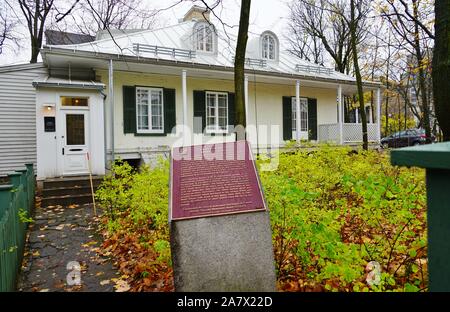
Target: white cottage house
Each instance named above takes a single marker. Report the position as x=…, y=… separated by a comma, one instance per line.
x=121, y=97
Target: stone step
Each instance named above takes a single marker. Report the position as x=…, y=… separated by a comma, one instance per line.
x=72, y=190
x=71, y=182
x=66, y=200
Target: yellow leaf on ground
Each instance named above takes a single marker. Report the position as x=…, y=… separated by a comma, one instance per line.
x=122, y=286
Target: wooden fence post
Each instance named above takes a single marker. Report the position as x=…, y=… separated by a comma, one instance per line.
x=5, y=259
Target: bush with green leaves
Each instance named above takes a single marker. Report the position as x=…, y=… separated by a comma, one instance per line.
x=140, y=197
x=333, y=211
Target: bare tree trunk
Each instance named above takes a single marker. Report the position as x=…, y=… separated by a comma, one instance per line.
x=239, y=64
x=353, y=35
x=422, y=77
x=35, y=48
x=36, y=13
x=441, y=66
x=388, y=62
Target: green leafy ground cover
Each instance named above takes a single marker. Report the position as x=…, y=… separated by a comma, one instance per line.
x=333, y=211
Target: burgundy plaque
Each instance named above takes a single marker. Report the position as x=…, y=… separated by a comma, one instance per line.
x=213, y=179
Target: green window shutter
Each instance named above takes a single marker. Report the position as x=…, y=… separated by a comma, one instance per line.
x=287, y=118
x=231, y=111
x=312, y=119
x=199, y=110
x=129, y=109
x=169, y=110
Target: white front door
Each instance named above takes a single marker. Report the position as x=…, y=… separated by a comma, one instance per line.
x=75, y=141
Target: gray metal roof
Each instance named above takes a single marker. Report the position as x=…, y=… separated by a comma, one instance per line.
x=177, y=39
x=56, y=37
x=47, y=81
x=21, y=66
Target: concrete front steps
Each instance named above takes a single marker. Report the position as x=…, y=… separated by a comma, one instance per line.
x=68, y=190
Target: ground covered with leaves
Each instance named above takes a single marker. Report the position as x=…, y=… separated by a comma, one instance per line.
x=61, y=253
x=341, y=221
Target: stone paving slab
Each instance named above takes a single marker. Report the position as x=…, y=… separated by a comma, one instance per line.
x=62, y=244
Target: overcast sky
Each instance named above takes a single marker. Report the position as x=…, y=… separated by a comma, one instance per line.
x=264, y=15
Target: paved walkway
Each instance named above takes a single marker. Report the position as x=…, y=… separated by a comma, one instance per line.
x=62, y=247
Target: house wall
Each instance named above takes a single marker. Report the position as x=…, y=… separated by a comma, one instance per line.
x=49, y=144
x=268, y=101
x=17, y=116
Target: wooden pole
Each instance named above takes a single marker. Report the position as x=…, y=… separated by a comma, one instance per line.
x=92, y=185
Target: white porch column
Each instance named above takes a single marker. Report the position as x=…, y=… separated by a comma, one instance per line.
x=297, y=107
x=185, y=106
x=379, y=115
x=111, y=106
x=246, y=100
x=340, y=114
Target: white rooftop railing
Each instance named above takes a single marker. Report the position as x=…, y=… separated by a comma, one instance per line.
x=147, y=48
x=254, y=62
x=313, y=69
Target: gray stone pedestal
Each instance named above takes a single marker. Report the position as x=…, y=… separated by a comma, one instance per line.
x=223, y=253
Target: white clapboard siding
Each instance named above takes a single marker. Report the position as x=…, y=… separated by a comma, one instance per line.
x=18, y=115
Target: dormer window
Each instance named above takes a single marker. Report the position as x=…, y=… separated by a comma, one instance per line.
x=269, y=46
x=204, y=37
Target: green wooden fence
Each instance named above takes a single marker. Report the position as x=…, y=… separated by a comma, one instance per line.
x=16, y=199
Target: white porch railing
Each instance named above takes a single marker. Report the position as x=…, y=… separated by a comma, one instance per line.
x=351, y=132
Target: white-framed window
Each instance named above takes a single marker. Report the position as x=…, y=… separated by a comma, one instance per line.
x=216, y=112
x=74, y=101
x=149, y=110
x=268, y=47
x=303, y=115
x=204, y=37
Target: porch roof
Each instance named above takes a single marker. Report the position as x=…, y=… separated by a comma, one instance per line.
x=53, y=82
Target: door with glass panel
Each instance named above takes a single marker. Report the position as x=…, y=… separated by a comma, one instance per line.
x=75, y=138
x=303, y=119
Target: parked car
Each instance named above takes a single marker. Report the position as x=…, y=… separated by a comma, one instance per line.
x=422, y=132
x=404, y=138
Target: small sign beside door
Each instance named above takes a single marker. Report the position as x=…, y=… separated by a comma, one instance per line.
x=49, y=124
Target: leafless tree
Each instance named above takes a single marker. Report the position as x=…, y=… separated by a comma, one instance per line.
x=322, y=25
x=358, y=9
x=304, y=41
x=35, y=13
x=36, y=16
x=341, y=28
x=7, y=25
x=239, y=64
x=91, y=16
x=82, y=16
x=409, y=20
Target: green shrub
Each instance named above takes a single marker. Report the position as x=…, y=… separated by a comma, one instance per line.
x=141, y=197
x=342, y=209
x=333, y=210
x=136, y=203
